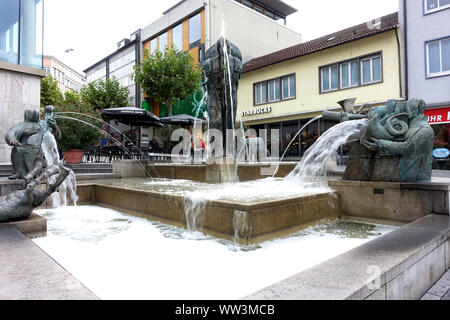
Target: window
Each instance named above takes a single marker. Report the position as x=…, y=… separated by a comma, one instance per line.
x=261, y=93
x=163, y=41
x=25, y=27
x=153, y=45
x=288, y=87
x=259, y=9
x=9, y=31
x=31, y=28
x=349, y=74
x=330, y=78
x=371, y=70
x=177, y=36
x=274, y=90
x=436, y=5
x=438, y=57
x=247, y=3
x=195, y=29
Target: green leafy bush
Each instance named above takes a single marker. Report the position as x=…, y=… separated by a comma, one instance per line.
x=75, y=134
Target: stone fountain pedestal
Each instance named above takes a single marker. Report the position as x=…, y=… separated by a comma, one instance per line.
x=393, y=201
x=223, y=171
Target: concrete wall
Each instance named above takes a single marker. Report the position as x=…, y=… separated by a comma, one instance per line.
x=420, y=29
x=308, y=97
x=18, y=91
x=253, y=33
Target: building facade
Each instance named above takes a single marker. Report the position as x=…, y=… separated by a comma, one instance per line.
x=120, y=64
x=425, y=28
x=67, y=77
x=287, y=88
x=194, y=25
x=21, y=52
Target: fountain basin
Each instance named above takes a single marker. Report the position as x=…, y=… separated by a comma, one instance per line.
x=393, y=201
x=196, y=172
x=245, y=222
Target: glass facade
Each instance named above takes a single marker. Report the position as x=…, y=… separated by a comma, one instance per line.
x=195, y=29
x=177, y=34
x=21, y=32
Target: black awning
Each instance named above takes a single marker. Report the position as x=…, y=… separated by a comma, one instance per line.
x=132, y=116
x=181, y=119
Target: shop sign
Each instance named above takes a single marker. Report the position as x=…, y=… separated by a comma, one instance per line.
x=257, y=111
x=437, y=116
x=441, y=153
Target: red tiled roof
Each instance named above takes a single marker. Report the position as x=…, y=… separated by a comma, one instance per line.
x=358, y=32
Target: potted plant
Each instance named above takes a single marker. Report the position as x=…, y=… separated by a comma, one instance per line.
x=75, y=134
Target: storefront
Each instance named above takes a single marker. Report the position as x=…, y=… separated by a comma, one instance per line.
x=439, y=119
x=288, y=129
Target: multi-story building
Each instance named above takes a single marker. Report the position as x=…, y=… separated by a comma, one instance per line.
x=257, y=27
x=21, y=51
x=285, y=89
x=67, y=77
x=120, y=64
x=426, y=60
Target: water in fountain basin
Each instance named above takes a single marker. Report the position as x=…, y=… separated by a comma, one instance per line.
x=316, y=159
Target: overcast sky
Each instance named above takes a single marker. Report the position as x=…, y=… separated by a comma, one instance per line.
x=92, y=28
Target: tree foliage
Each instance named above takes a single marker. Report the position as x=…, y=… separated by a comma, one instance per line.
x=50, y=92
x=74, y=133
x=102, y=94
x=168, y=75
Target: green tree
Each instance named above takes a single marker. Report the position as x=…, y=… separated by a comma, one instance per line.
x=50, y=92
x=105, y=94
x=168, y=75
x=75, y=134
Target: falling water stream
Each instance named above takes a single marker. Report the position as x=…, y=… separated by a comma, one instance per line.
x=67, y=191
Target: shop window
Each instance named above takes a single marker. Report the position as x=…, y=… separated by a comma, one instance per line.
x=438, y=57
x=195, y=29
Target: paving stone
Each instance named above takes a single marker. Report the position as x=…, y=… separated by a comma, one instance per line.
x=446, y=296
x=27, y=272
x=440, y=288
x=429, y=296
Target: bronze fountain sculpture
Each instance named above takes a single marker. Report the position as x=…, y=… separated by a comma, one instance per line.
x=397, y=145
x=29, y=163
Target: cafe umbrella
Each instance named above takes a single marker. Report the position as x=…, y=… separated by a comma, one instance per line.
x=132, y=116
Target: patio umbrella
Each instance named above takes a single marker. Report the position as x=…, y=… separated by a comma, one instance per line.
x=132, y=116
x=181, y=120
